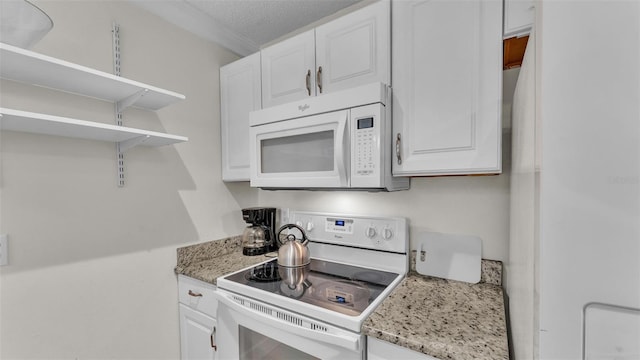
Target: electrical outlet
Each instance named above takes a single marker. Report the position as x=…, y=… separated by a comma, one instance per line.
x=4, y=250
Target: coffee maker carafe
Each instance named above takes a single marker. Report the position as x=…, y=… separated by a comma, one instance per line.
x=259, y=236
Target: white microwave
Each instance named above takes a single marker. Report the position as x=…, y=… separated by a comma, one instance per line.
x=340, y=140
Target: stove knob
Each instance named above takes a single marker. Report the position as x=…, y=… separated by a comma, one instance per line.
x=387, y=233
x=310, y=226
x=370, y=232
x=299, y=223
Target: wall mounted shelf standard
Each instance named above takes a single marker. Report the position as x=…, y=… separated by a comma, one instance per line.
x=23, y=121
x=33, y=68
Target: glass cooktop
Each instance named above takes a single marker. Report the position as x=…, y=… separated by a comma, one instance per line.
x=342, y=288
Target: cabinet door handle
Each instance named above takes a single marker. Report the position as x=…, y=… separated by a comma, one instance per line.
x=194, y=294
x=319, y=78
x=309, y=82
x=212, y=337
x=398, y=143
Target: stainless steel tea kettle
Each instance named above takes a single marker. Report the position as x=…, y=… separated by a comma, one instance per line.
x=293, y=252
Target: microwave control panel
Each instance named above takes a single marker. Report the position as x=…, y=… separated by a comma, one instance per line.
x=365, y=145
x=366, y=127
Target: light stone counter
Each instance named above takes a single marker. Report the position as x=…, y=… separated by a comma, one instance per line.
x=208, y=261
x=441, y=318
x=445, y=319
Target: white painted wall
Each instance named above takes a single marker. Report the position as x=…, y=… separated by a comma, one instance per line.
x=590, y=172
x=576, y=184
x=458, y=205
x=523, y=210
x=91, y=265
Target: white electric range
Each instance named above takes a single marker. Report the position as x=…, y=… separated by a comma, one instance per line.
x=356, y=261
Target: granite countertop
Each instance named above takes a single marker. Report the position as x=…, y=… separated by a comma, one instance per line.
x=446, y=319
x=208, y=261
x=441, y=318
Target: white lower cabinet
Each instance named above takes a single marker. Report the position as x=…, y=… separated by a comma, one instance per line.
x=382, y=350
x=447, y=87
x=197, y=308
x=196, y=330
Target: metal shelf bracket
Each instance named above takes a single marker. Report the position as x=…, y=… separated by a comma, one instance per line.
x=130, y=100
x=124, y=146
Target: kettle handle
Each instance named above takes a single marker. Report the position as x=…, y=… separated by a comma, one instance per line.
x=305, y=240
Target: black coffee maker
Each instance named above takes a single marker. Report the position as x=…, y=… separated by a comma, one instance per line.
x=259, y=236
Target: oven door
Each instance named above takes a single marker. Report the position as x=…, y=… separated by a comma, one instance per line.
x=307, y=152
x=249, y=330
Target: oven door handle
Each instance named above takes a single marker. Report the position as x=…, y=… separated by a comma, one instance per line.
x=345, y=340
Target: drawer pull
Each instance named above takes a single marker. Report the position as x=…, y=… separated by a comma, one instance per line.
x=194, y=294
x=213, y=340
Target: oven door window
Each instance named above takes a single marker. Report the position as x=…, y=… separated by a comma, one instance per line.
x=255, y=346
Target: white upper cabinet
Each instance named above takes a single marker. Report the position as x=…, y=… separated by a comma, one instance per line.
x=239, y=95
x=349, y=51
x=354, y=50
x=447, y=87
x=288, y=70
x=518, y=17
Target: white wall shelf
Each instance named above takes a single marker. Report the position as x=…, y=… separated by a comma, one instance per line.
x=23, y=121
x=33, y=68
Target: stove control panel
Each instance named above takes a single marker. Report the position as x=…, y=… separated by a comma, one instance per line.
x=339, y=225
x=379, y=233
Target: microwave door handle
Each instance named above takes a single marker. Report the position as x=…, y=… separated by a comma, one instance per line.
x=345, y=340
x=342, y=149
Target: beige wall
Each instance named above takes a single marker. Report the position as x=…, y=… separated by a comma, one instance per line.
x=457, y=205
x=91, y=265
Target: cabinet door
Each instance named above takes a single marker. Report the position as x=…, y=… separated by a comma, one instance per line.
x=288, y=70
x=196, y=330
x=354, y=49
x=239, y=95
x=447, y=87
x=518, y=17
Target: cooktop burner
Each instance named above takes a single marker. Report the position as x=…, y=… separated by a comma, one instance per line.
x=339, y=287
x=266, y=272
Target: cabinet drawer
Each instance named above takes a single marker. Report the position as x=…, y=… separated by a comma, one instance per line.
x=197, y=295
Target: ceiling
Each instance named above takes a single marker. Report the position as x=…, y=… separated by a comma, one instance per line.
x=243, y=26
